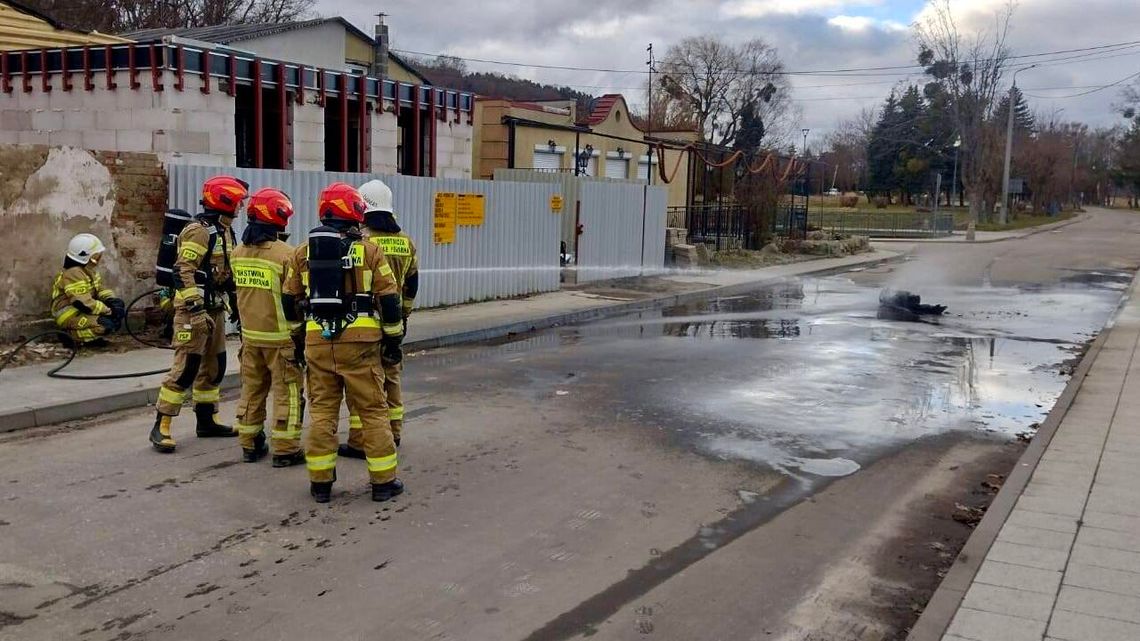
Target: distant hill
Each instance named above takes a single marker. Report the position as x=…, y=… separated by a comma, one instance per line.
x=448, y=71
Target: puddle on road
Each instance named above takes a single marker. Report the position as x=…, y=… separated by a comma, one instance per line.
x=805, y=379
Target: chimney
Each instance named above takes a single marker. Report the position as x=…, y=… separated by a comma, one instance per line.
x=380, y=48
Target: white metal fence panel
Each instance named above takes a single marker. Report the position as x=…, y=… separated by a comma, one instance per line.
x=623, y=225
x=514, y=252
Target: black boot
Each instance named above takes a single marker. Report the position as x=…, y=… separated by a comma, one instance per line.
x=383, y=491
x=160, y=436
x=260, y=449
x=289, y=460
x=208, y=427
x=322, y=492
x=349, y=451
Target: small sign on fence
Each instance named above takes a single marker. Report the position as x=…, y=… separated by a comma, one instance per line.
x=556, y=204
x=444, y=218
x=470, y=209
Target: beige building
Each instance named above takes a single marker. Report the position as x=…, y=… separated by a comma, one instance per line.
x=25, y=28
x=550, y=136
x=209, y=96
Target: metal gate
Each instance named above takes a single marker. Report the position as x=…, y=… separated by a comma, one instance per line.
x=514, y=252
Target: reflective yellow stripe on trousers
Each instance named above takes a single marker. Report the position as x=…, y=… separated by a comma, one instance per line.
x=167, y=395
x=382, y=464
x=321, y=463
x=248, y=428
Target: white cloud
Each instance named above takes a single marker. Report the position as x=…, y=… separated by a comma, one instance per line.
x=809, y=34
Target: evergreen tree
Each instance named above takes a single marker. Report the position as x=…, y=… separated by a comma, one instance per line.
x=881, y=150
x=751, y=132
x=1023, y=121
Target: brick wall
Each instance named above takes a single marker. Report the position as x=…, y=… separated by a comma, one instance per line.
x=49, y=194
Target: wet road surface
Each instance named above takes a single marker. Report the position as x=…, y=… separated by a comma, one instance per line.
x=751, y=467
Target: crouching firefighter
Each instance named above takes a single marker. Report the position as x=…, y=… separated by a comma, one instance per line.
x=268, y=360
x=202, y=279
x=81, y=305
x=352, y=307
x=399, y=250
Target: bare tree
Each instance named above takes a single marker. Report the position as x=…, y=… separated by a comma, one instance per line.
x=967, y=71
x=846, y=150
x=713, y=84
x=116, y=16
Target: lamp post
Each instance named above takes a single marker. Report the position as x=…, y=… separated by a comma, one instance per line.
x=954, y=180
x=1004, y=219
x=803, y=152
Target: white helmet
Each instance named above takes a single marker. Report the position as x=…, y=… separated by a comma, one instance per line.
x=83, y=246
x=377, y=195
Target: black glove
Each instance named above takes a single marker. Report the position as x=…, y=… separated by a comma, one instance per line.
x=118, y=308
x=109, y=323
x=390, y=351
x=299, y=348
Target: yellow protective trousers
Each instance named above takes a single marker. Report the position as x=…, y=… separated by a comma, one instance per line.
x=351, y=372
x=395, y=408
x=199, y=361
x=266, y=369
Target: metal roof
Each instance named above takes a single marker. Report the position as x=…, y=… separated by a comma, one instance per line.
x=231, y=33
x=24, y=28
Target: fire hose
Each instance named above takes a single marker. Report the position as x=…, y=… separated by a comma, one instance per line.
x=74, y=350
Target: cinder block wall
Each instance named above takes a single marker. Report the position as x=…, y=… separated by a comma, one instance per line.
x=49, y=194
x=453, y=149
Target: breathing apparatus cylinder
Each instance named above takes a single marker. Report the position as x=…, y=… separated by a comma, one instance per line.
x=329, y=298
x=173, y=222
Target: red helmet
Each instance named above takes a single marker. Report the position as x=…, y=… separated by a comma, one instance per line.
x=270, y=206
x=342, y=201
x=224, y=194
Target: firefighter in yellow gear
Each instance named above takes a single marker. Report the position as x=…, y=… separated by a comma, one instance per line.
x=381, y=228
x=202, y=282
x=349, y=297
x=269, y=361
x=80, y=303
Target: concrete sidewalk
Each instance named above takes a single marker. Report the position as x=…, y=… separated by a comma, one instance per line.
x=989, y=236
x=1058, y=553
x=28, y=398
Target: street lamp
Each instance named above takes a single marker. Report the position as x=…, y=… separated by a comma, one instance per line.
x=584, y=158
x=1009, y=149
x=954, y=181
x=803, y=151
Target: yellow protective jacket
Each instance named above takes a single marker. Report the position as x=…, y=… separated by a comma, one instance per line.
x=259, y=273
x=196, y=275
x=400, y=252
x=374, y=275
x=79, y=290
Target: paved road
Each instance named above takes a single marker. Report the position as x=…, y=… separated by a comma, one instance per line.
x=772, y=466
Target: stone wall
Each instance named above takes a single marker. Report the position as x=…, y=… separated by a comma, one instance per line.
x=49, y=194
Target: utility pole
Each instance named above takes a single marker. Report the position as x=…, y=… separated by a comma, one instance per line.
x=1004, y=219
x=649, y=149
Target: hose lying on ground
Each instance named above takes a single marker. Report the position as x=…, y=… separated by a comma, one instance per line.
x=73, y=346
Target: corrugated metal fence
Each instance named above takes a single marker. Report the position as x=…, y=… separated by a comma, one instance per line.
x=623, y=222
x=514, y=252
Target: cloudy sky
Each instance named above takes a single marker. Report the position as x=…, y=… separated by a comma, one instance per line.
x=809, y=35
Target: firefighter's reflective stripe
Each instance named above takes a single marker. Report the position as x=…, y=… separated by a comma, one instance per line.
x=294, y=420
x=321, y=463
x=396, y=413
x=167, y=395
x=354, y=423
x=385, y=270
x=394, y=329
x=381, y=464
x=207, y=395
x=65, y=313
x=86, y=335
x=362, y=322
x=249, y=428
x=255, y=335
x=285, y=435
x=191, y=250
x=188, y=292
x=394, y=245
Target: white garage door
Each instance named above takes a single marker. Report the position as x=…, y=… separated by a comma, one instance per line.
x=617, y=168
x=547, y=161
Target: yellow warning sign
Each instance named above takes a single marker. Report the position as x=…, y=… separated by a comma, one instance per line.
x=471, y=209
x=556, y=204
x=443, y=220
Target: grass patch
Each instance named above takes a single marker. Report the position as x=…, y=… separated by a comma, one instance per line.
x=1025, y=222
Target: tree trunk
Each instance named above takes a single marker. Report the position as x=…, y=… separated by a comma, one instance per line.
x=976, y=201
